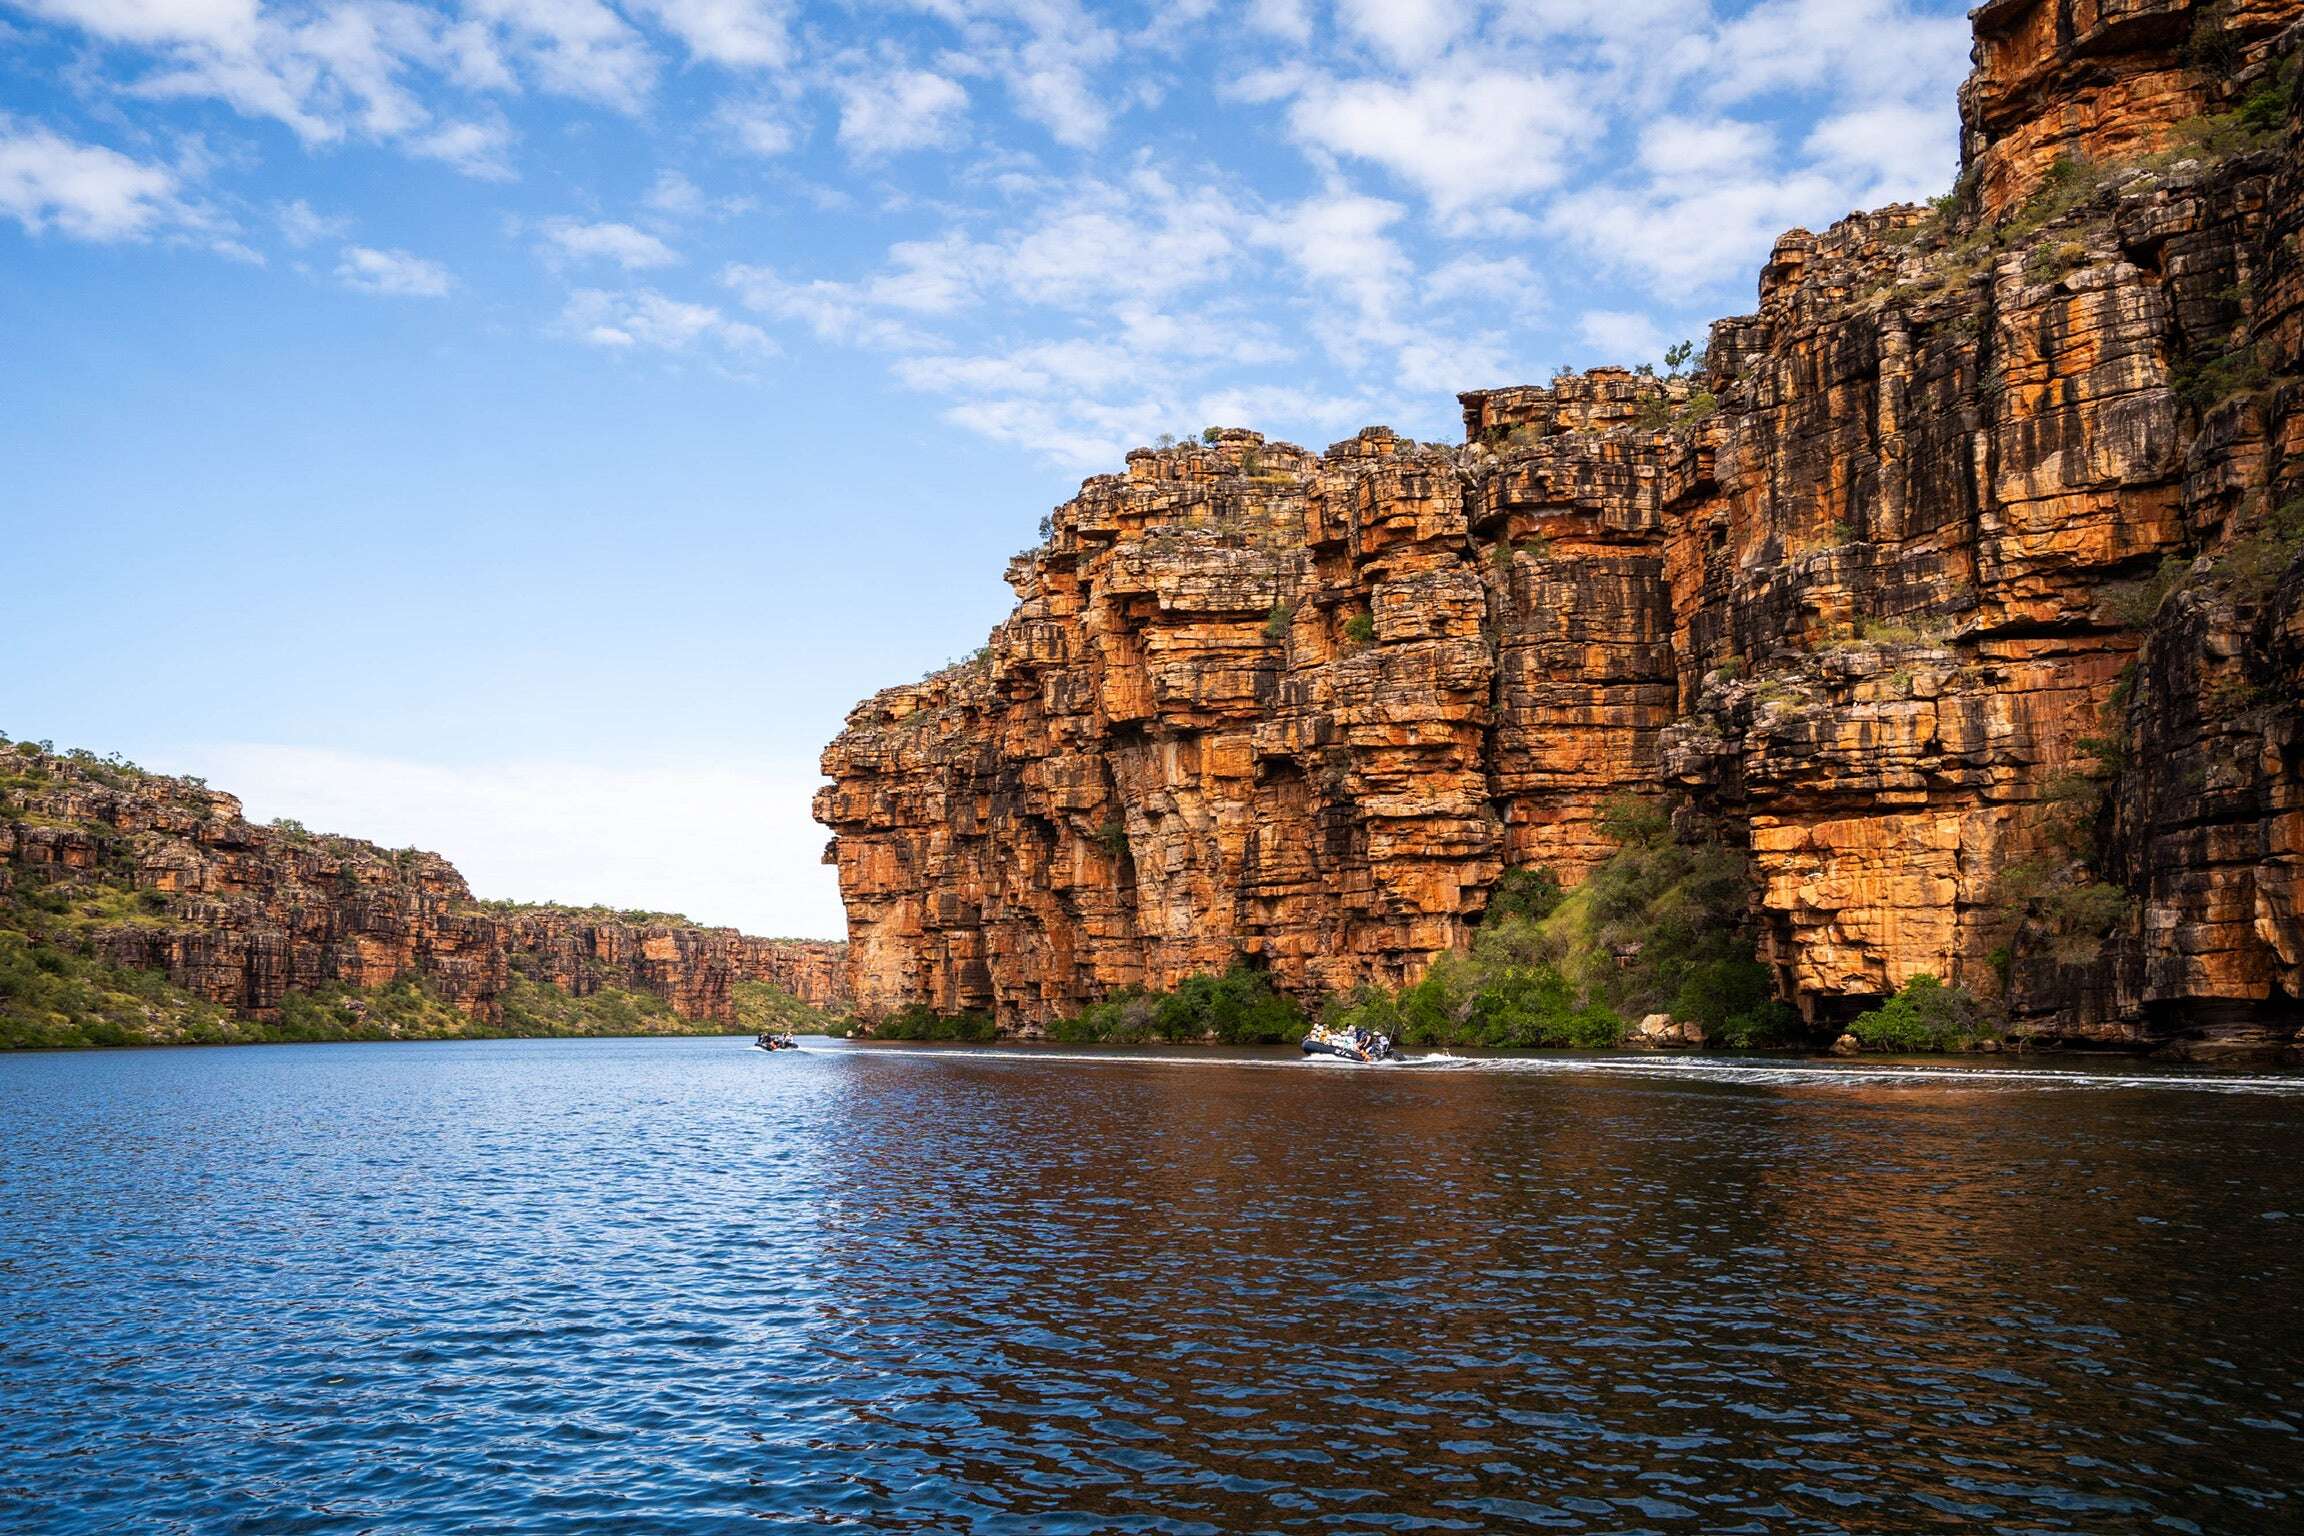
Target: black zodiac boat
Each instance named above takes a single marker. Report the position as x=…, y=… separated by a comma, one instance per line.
x=772, y=1041
x=1350, y=1044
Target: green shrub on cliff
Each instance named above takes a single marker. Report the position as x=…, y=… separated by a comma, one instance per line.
x=1127, y=1017
x=1238, y=1007
x=538, y=1008
x=763, y=1005
x=1925, y=1016
x=1529, y=894
x=1499, y=995
x=920, y=1022
x=52, y=998
x=402, y=1009
x=1661, y=926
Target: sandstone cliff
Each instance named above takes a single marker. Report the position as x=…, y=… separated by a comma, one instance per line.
x=1961, y=580
x=166, y=875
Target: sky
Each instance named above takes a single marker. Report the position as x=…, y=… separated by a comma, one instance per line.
x=524, y=428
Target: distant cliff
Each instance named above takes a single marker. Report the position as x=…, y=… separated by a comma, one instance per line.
x=1960, y=584
x=164, y=910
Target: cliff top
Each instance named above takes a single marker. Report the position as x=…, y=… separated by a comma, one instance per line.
x=47, y=790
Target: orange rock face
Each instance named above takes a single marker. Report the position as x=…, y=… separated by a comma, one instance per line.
x=1960, y=581
x=241, y=914
x=2103, y=81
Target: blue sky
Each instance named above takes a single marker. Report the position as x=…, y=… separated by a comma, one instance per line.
x=524, y=427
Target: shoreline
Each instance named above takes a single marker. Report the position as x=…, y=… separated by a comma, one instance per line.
x=2175, y=1053
x=482, y=1035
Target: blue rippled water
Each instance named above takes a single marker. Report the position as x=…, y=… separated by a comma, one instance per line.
x=684, y=1286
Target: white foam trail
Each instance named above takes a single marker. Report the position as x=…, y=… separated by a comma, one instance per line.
x=1831, y=1075
x=1816, y=1074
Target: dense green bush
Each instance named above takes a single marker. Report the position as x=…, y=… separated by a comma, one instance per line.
x=1127, y=1017
x=51, y=997
x=1236, y=1008
x=763, y=1005
x=1925, y=1016
x=1661, y=926
x=1528, y=894
x=921, y=1022
x=1499, y=995
x=538, y=1008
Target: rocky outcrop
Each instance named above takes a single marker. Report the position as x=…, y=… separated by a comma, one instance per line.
x=166, y=874
x=1958, y=580
x=2103, y=81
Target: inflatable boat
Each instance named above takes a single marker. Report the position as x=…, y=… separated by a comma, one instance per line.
x=775, y=1042
x=1350, y=1044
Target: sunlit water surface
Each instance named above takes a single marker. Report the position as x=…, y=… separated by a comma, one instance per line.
x=685, y=1286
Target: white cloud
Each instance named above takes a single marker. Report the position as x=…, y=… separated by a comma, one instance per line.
x=1047, y=430
x=1136, y=266
x=1282, y=410
x=1141, y=239
x=1076, y=363
x=1342, y=241
x=394, y=273
x=1889, y=153
x=479, y=150
x=1462, y=136
x=675, y=197
x=931, y=277
x=900, y=110
x=1048, y=53
x=218, y=23
x=1682, y=148
x=629, y=248
x=645, y=318
x=695, y=839
x=1626, y=337
x=83, y=190
x=1405, y=30
x=1288, y=19
x=1860, y=49
x=1436, y=367
x=301, y=225
x=1508, y=282
x=834, y=311
x=336, y=68
x=760, y=126
x=1683, y=241
x=579, y=48
x=1052, y=78
x=742, y=34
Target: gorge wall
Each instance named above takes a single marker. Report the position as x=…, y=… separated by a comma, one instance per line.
x=167, y=875
x=1960, y=582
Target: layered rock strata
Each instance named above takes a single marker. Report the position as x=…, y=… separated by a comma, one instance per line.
x=240, y=914
x=1959, y=581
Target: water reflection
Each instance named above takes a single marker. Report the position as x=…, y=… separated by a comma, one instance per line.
x=680, y=1285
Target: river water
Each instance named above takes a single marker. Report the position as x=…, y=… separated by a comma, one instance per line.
x=684, y=1286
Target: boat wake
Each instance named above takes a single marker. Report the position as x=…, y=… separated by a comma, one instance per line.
x=1746, y=1071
